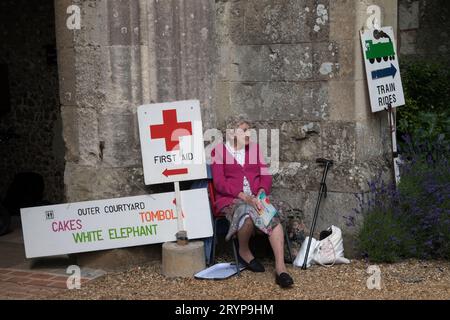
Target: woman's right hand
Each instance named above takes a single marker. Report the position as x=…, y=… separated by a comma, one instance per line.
x=251, y=201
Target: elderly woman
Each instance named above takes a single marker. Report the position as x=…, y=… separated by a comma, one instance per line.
x=240, y=175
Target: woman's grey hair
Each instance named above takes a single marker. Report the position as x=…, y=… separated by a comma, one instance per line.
x=234, y=122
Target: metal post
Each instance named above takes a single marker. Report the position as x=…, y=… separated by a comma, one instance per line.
x=392, y=133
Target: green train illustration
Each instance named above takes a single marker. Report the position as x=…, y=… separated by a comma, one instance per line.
x=380, y=50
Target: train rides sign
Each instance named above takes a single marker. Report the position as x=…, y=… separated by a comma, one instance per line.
x=382, y=68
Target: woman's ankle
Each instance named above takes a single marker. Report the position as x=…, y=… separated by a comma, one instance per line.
x=246, y=254
x=280, y=269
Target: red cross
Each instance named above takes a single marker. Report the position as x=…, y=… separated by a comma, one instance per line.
x=171, y=130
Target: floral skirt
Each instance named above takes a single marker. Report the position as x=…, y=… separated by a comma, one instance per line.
x=238, y=210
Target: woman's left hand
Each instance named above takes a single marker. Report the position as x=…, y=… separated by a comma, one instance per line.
x=257, y=203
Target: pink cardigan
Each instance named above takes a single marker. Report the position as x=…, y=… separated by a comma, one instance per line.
x=228, y=175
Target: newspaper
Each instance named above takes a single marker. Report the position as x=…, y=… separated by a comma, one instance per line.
x=268, y=211
x=219, y=271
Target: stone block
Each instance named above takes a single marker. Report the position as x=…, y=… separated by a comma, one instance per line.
x=80, y=134
x=326, y=65
x=279, y=100
x=356, y=63
x=83, y=183
x=123, y=85
x=276, y=62
x=339, y=141
x=299, y=176
x=222, y=107
x=222, y=28
x=235, y=13
x=300, y=140
x=362, y=107
x=92, y=71
x=123, y=22
x=277, y=21
x=224, y=65
x=350, y=60
x=119, y=136
x=369, y=138
x=70, y=133
x=319, y=108
x=94, y=24
x=319, y=20
x=342, y=97
x=67, y=76
x=342, y=20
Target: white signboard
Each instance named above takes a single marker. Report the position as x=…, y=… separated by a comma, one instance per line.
x=171, y=138
x=114, y=223
x=382, y=68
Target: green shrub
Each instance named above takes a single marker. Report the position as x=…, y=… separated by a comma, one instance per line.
x=426, y=113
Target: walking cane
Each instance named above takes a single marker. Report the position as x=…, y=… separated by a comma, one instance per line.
x=322, y=190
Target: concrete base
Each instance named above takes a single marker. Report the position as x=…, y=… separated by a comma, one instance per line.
x=182, y=261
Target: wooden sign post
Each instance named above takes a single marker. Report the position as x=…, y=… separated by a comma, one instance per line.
x=171, y=138
x=383, y=79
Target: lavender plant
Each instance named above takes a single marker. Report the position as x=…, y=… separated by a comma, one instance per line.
x=412, y=220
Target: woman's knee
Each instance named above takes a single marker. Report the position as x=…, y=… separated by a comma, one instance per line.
x=278, y=230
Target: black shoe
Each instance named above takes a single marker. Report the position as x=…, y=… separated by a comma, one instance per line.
x=253, y=265
x=284, y=280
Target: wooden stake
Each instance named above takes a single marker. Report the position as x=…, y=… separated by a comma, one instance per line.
x=181, y=235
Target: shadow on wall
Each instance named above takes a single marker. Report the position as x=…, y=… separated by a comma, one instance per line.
x=26, y=190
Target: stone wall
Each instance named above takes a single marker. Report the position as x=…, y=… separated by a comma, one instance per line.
x=27, y=29
x=290, y=65
x=424, y=28
x=296, y=66
x=126, y=53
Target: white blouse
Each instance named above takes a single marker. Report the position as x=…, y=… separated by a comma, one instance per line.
x=239, y=155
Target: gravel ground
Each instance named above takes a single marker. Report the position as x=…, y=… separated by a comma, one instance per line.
x=406, y=280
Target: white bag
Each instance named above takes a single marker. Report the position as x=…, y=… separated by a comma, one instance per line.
x=298, y=262
x=331, y=249
x=326, y=252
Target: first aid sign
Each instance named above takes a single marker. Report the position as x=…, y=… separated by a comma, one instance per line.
x=171, y=137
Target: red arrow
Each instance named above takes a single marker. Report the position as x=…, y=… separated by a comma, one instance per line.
x=173, y=172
